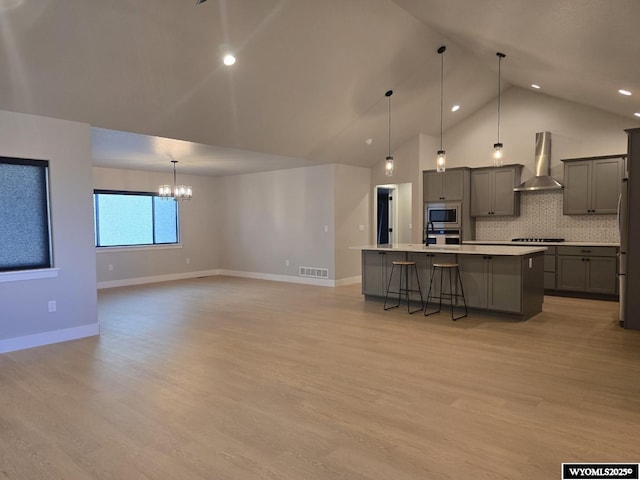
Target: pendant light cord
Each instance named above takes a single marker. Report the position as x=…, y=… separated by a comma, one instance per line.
x=175, y=183
x=388, y=95
x=499, y=75
x=441, y=51
x=441, y=93
x=500, y=57
x=389, y=125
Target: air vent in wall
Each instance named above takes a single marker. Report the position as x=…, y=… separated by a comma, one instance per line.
x=314, y=272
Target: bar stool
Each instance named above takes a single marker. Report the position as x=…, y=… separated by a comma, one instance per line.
x=451, y=294
x=403, y=269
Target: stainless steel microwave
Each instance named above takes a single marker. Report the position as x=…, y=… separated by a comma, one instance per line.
x=442, y=215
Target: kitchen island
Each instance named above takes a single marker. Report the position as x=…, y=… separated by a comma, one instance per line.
x=505, y=279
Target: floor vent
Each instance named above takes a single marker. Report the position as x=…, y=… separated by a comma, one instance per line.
x=314, y=272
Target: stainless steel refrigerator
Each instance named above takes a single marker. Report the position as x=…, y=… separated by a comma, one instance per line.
x=630, y=236
x=623, y=226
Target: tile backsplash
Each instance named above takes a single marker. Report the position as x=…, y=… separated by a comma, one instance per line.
x=541, y=216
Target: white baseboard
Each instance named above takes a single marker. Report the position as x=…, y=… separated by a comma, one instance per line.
x=47, y=338
x=156, y=279
x=232, y=273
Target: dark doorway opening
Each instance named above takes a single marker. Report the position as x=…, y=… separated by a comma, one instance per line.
x=384, y=230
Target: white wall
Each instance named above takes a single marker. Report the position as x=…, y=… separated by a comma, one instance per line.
x=405, y=220
x=200, y=234
x=352, y=206
x=24, y=317
x=271, y=217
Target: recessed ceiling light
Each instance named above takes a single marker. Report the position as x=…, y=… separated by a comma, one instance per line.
x=624, y=92
x=369, y=141
x=455, y=108
x=536, y=86
x=637, y=114
x=229, y=59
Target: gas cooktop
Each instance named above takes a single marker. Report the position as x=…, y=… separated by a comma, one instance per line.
x=538, y=240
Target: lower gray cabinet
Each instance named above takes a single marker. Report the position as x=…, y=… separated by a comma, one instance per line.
x=376, y=269
x=550, y=268
x=588, y=269
x=492, y=282
x=424, y=263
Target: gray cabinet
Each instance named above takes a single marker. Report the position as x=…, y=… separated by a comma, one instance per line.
x=424, y=263
x=592, y=186
x=492, y=282
x=587, y=269
x=376, y=269
x=492, y=191
x=550, y=268
x=444, y=186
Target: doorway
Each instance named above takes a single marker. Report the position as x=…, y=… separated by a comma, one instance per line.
x=392, y=213
x=385, y=215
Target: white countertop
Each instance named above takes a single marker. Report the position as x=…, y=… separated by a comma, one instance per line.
x=546, y=244
x=464, y=249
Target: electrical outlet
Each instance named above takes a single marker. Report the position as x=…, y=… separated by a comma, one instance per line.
x=361, y=228
x=326, y=228
x=286, y=262
x=188, y=261
x=111, y=268
x=52, y=306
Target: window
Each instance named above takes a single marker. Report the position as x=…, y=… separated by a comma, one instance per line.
x=134, y=218
x=25, y=241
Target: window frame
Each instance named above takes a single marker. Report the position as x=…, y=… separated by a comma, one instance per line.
x=153, y=195
x=44, y=212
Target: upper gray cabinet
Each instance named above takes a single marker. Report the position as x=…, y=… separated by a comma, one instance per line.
x=492, y=191
x=444, y=186
x=592, y=185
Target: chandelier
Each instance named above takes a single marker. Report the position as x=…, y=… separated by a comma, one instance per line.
x=177, y=192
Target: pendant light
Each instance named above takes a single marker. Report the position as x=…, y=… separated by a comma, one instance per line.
x=497, y=147
x=177, y=192
x=441, y=159
x=388, y=164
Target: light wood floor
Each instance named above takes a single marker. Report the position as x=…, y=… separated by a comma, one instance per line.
x=228, y=378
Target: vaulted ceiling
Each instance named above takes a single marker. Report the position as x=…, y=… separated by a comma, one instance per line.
x=309, y=82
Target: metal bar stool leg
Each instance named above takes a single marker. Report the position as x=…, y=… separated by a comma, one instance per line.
x=426, y=306
x=464, y=299
x=406, y=283
x=389, y=287
x=451, y=294
x=415, y=269
x=440, y=304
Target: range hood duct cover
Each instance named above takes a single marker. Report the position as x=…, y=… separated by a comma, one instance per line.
x=543, y=179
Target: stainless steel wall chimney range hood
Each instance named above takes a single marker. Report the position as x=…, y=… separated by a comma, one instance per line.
x=543, y=179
